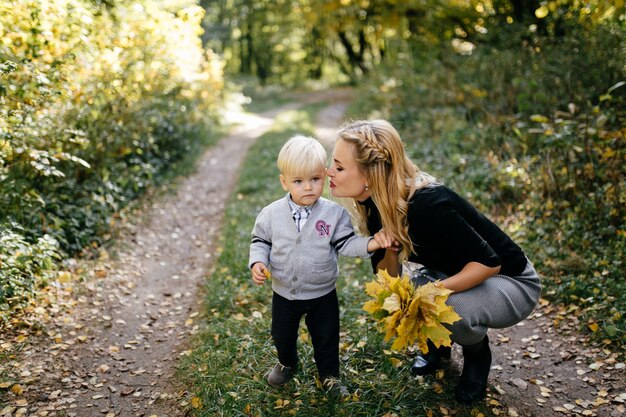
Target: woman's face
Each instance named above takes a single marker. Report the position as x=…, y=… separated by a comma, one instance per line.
x=346, y=179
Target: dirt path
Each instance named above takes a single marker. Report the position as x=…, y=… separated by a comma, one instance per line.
x=545, y=367
x=111, y=347
x=331, y=117
x=112, y=352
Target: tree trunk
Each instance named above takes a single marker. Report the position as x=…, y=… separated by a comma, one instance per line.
x=355, y=58
x=245, y=50
x=524, y=10
x=315, y=55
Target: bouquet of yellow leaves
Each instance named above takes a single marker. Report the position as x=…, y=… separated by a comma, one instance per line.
x=410, y=314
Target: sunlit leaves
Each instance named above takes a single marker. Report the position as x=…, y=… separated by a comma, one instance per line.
x=542, y=11
x=408, y=314
x=97, y=103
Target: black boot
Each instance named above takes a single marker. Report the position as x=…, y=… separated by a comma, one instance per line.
x=428, y=363
x=476, y=365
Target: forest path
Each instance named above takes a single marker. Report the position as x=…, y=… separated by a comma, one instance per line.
x=545, y=367
x=112, y=346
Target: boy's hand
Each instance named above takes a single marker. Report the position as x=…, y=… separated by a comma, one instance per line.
x=384, y=241
x=260, y=273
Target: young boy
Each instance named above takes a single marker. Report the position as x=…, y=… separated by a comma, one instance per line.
x=297, y=238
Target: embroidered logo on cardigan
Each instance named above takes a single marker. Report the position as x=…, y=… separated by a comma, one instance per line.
x=323, y=228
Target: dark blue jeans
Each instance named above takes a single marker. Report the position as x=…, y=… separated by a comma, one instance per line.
x=322, y=321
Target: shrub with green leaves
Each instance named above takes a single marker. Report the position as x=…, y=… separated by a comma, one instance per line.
x=98, y=101
x=24, y=266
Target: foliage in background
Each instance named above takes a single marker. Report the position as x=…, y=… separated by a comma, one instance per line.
x=232, y=354
x=528, y=123
x=98, y=100
x=291, y=41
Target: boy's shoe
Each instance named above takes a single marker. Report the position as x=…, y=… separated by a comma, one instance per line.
x=280, y=375
x=334, y=387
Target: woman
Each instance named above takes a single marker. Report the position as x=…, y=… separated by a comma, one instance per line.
x=494, y=284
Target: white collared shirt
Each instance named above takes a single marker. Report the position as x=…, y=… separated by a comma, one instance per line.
x=300, y=214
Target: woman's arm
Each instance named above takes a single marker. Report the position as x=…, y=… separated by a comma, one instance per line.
x=471, y=275
x=390, y=262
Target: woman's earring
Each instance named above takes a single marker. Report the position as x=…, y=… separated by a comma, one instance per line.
x=367, y=187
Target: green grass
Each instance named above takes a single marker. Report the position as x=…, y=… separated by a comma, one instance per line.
x=231, y=355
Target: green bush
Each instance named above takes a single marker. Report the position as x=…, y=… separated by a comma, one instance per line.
x=98, y=102
x=525, y=71
x=25, y=266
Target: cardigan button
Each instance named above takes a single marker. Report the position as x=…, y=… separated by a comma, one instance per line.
x=298, y=240
x=293, y=291
x=295, y=278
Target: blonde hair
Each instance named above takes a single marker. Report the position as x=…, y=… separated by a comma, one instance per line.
x=391, y=176
x=301, y=155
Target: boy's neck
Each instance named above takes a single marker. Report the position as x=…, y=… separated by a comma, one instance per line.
x=298, y=205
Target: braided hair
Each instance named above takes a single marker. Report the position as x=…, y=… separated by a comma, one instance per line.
x=392, y=177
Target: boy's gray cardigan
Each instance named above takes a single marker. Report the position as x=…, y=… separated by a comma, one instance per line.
x=304, y=264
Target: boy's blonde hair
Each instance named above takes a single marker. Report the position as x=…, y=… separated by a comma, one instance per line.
x=301, y=155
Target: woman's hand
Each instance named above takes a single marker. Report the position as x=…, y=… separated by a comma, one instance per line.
x=259, y=273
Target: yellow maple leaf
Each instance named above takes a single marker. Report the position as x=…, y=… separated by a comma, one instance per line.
x=17, y=389
x=391, y=323
x=407, y=331
x=267, y=273
x=392, y=303
x=449, y=316
x=439, y=335
x=373, y=288
x=371, y=306
x=408, y=314
x=64, y=277
x=196, y=402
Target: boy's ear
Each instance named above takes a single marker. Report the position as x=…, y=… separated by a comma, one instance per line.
x=283, y=182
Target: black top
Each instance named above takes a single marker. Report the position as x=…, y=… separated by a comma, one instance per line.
x=448, y=232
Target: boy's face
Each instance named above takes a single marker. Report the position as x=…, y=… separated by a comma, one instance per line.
x=304, y=189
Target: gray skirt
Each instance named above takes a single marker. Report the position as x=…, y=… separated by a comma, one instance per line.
x=498, y=302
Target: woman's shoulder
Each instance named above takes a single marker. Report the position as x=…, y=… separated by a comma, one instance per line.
x=431, y=195
x=433, y=202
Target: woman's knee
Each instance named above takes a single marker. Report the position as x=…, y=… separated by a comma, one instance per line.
x=465, y=333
